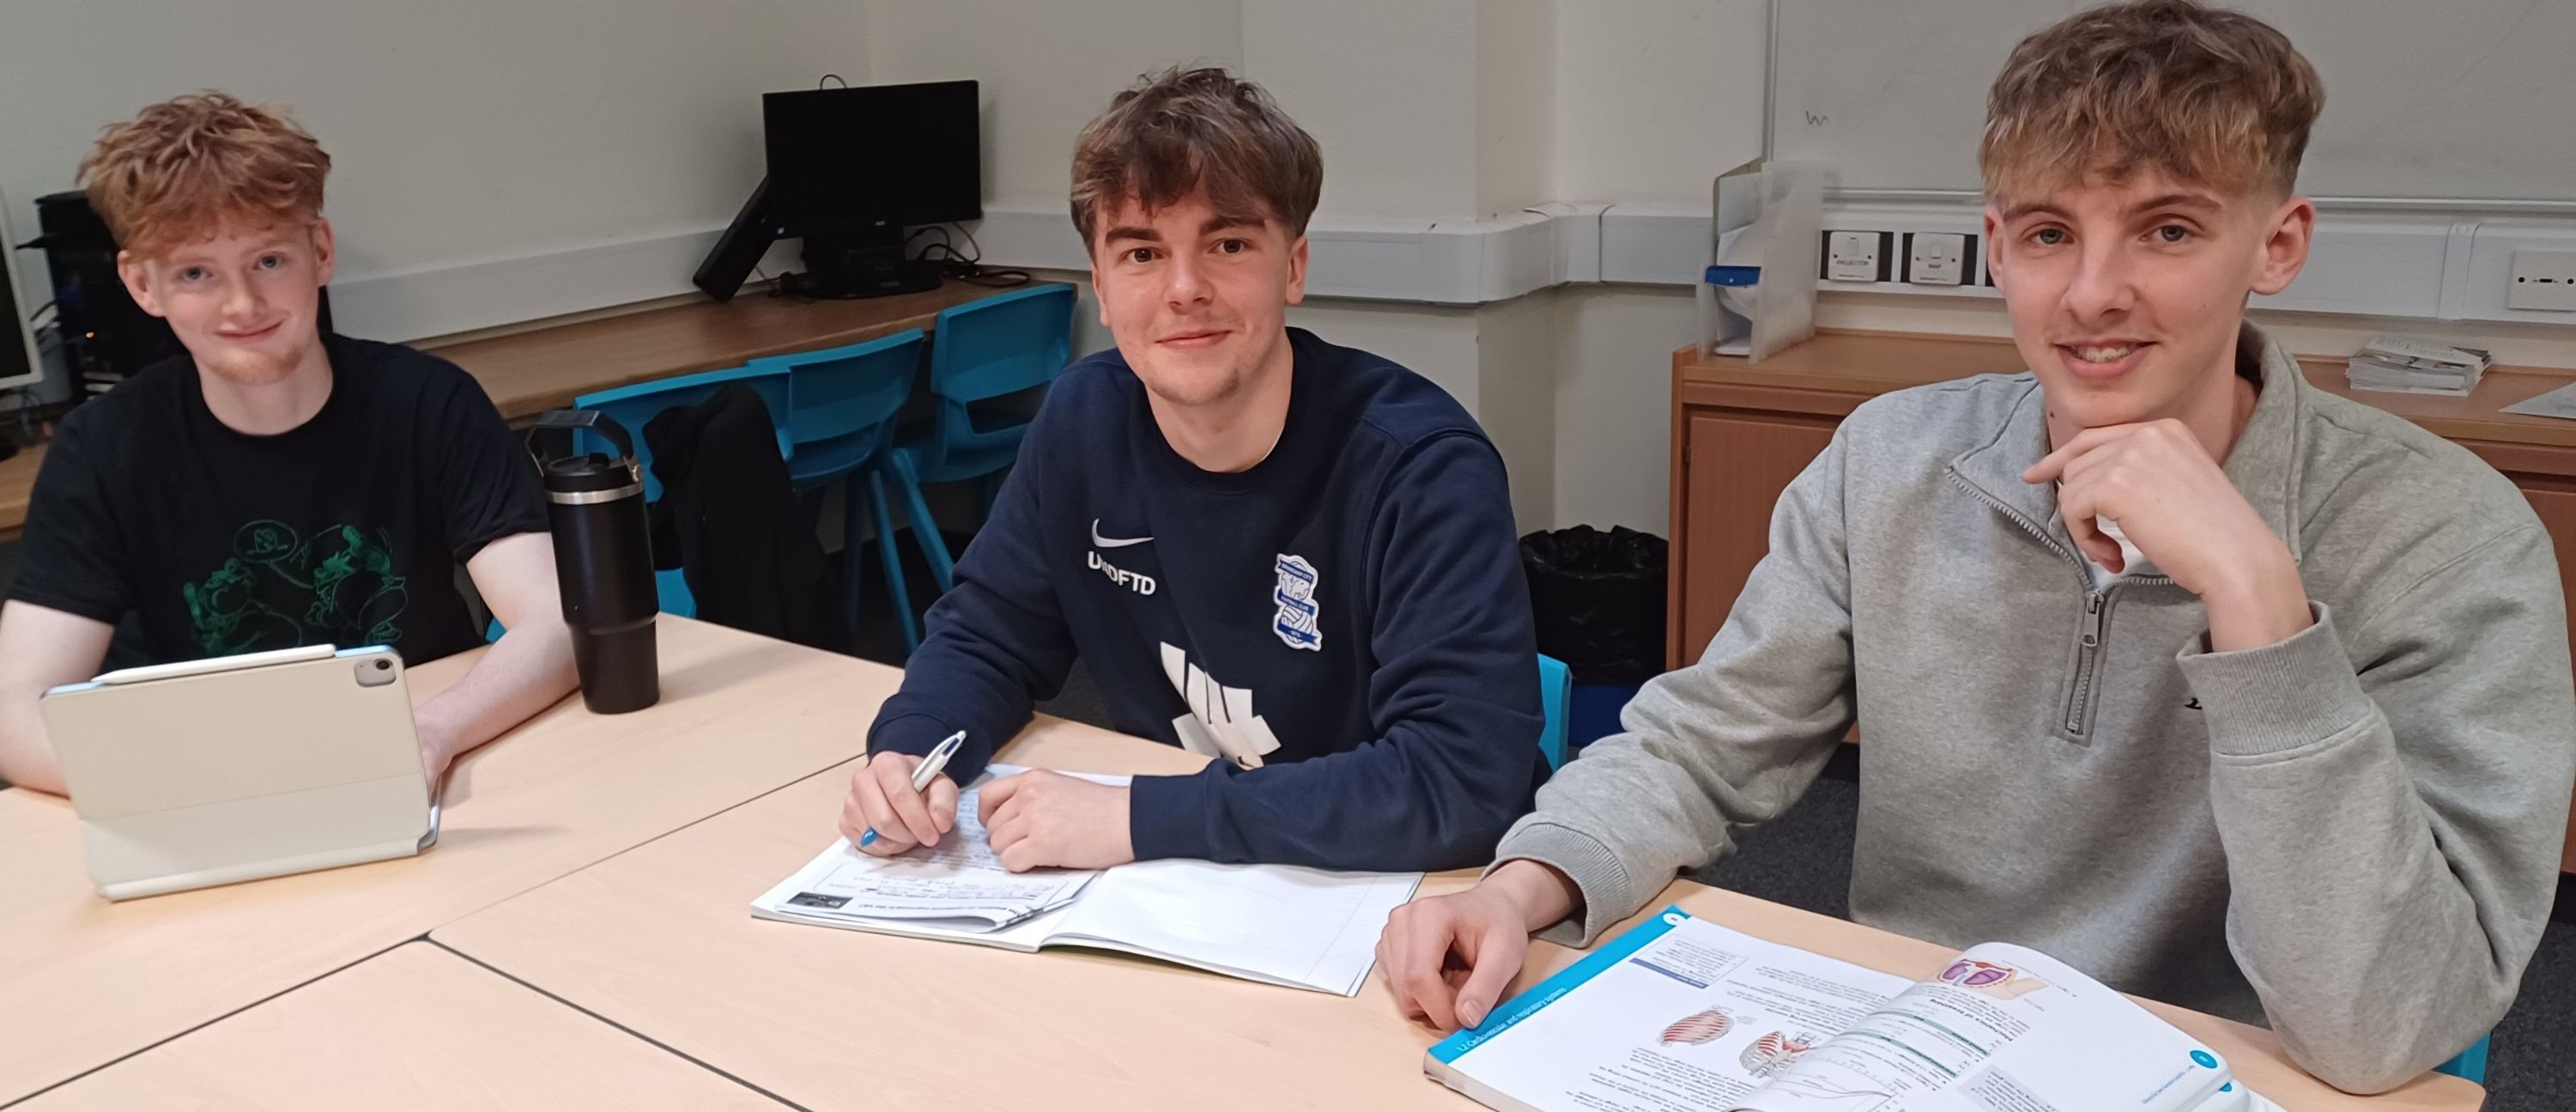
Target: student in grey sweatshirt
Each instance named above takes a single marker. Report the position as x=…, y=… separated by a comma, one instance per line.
x=2229, y=691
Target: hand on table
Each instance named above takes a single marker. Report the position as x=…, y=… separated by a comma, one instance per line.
x=1449, y=958
x=436, y=754
x=1038, y=819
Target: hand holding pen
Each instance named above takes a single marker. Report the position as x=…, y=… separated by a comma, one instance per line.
x=898, y=801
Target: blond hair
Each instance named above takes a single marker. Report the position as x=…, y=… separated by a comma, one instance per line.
x=1181, y=131
x=191, y=167
x=2208, y=96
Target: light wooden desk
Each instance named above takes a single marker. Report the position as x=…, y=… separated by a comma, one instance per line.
x=85, y=981
x=661, y=941
x=414, y=1028
x=543, y=368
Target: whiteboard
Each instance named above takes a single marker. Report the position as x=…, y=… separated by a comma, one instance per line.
x=2425, y=99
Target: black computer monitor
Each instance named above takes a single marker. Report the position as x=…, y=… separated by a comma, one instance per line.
x=852, y=169
x=19, y=365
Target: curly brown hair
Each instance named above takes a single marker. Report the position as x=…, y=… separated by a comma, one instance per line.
x=191, y=167
x=2209, y=96
x=1186, y=130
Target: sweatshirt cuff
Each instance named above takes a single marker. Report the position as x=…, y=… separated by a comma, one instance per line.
x=2297, y=691
x=1167, y=815
x=918, y=734
x=1594, y=869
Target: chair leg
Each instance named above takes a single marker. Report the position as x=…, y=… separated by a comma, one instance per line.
x=893, y=562
x=854, y=509
x=925, y=532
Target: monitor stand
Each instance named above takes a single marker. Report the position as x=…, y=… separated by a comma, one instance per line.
x=859, y=264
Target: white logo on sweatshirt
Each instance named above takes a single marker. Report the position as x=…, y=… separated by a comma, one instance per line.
x=1098, y=541
x=1136, y=581
x=1220, y=722
x=1295, y=623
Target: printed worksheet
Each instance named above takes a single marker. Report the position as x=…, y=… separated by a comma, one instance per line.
x=958, y=879
x=2560, y=402
x=1277, y=924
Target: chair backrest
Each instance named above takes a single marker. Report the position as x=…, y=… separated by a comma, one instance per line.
x=1002, y=344
x=1555, y=688
x=2471, y=1065
x=632, y=406
x=841, y=401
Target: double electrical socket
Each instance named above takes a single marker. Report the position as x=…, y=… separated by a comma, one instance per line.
x=1858, y=256
x=1928, y=259
x=2542, y=280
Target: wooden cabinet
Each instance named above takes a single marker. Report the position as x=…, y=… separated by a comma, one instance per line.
x=1742, y=431
x=1737, y=463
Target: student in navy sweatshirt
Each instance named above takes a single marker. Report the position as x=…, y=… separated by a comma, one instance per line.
x=1295, y=558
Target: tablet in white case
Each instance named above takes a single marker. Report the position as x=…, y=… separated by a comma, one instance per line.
x=215, y=771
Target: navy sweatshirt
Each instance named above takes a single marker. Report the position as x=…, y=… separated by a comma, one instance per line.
x=1345, y=625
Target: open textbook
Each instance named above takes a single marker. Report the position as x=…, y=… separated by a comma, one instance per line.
x=1278, y=924
x=1680, y=1013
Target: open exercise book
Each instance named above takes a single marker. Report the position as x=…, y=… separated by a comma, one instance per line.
x=1281, y=925
x=1680, y=1013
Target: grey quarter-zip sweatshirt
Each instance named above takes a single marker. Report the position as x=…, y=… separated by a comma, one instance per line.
x=2352, y=834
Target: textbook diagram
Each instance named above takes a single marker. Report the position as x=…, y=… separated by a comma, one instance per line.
x=1991, y=978
x=1775, y=1051
x=1699, y=1027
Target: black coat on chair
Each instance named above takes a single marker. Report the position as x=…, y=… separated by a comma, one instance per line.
x=732, y=519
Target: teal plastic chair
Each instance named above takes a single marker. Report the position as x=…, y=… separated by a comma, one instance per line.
x=2471, y=1065
x=632, y=406
x=982, y=350
x=1555, y=689
x=841, y=406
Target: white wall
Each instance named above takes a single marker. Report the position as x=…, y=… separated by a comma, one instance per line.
x=1516, y=88
x=1046, y=68
x=1656, y=97
x=1516, y=396
x=462, y=133
x=1614, y=347
x=1387, y=89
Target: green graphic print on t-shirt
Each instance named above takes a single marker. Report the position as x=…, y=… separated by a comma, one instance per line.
x=280, y=590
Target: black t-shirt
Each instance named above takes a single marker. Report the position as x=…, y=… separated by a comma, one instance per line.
x=345, y=530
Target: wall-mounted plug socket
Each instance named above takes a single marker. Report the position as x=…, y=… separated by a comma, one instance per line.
x=1858, y=256
x=2542, y=280
x=1938, y=258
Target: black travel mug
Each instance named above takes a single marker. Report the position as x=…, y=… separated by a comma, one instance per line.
x=603, y=558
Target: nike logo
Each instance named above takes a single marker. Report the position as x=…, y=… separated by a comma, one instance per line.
x=1099, y=541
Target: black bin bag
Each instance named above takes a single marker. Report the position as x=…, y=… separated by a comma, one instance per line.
x=1599, y=601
